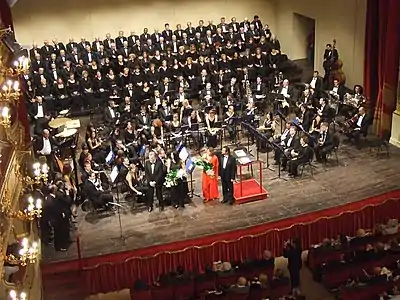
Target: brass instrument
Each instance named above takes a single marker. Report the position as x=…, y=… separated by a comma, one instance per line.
x=354, y=100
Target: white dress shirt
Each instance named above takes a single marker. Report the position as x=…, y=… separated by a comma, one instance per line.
x=313, y=82
x=112, y=112
x=40, y=113
x=359, y=121
x=225, y=161
x=46, y=150
x=284, y=91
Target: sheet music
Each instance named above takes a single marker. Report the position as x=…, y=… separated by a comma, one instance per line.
x=244, y=160
x=240, y=153
x=114, y=174
x=184, y=154
x=110, y=157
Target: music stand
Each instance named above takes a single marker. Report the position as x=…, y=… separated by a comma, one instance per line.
x=282, y=118
x=279, y=148
x=190, y=166
x=169, y=95
x=266, y=140
x=116, y=178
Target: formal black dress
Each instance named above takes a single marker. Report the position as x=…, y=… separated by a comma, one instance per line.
x=178, y=191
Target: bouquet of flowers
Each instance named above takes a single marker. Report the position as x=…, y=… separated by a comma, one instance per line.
x=207, y=167
x=173, y=176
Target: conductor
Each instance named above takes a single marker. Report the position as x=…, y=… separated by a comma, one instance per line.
x=227, y=171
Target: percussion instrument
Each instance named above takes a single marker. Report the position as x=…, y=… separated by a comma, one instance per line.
x=73, y=124
x=66, y=133
x=58, y=122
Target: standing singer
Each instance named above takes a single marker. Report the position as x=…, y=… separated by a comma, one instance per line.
x=227, y=171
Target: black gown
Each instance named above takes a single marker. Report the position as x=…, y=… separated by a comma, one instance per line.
x=178, y=191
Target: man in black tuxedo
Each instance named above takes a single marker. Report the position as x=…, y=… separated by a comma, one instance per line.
x=96, y=44
x=57, y=46
x=71, y=45
x=331, y=55
x=119, y=41
x=46, y=50
x=132, y=39
x=360, y=127
x=108, y=41
x=305, y=117
x=324, y=144
x=316, y=82
x=227, y=171
x=39, y=114
x=94, y=190
x=167, y=33
x=45, y=145
x=110, y=113
x=290, y=143
x=154, y=172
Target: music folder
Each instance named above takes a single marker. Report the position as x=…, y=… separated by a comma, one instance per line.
x=110, y=157
x=190, y=166
x=114, y=174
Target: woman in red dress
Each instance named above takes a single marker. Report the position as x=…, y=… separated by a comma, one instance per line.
x=210, y=182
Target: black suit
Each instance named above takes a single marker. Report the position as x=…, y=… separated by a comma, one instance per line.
x=155, y=173
x=97, y=197
x=359, y=129
x=228, y=174
x=119, y=42
x=109, y=119
x=324, y=145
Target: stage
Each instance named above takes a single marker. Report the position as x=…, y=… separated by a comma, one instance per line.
x=360, y=174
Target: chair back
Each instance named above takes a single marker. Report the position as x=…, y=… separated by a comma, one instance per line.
x=163, y=293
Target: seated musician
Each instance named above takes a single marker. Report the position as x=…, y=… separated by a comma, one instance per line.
x=180, y=96
x=194, y=121
x=268, y=126
x=126, y=109
x=83, y=156
x=316, y=82
x=95, y=192
x=175, y=130
x=287, y=91
x=207, y=104
x=155, y=102
x=203, y=79
x=157, y=131
x=135, y=182
x=358, y=126
x=249, y=113
x=144, y=123
x=212, y=130
x=324, y=144
x=228, y=101
x=305, y=99
x=132, y=139
x=305, y=117
x=164, y=112
x=96, y=148
x=299, y=156
x=337, y=90
x=315, y=127
x=287, y=145
x=353, y=101
x=323, y=110
x=259, y=89
x=207, y=92
x=230, y=122
x=185, y=111
x=110, y=114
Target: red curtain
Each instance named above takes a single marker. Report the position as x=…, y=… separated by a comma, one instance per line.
x=6, y=21
x=118, y=271
x=382, y=53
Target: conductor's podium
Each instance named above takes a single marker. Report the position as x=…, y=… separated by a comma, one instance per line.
x=248, y=190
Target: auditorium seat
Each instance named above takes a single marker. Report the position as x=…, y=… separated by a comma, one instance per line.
x=184, y=290
x=140, y=295
x=205, y=282
x=162, y=293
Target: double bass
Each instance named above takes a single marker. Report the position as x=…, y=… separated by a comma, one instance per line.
x=337, y=69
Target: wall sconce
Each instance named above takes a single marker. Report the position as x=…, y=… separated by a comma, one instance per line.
x=14, y=295
x=28, y=253
x=34, y=210
x=40, y=171
x=10, y=91
x=5, y=115
x=21, y=65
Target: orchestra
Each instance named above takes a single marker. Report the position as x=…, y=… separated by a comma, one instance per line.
x=183, y=86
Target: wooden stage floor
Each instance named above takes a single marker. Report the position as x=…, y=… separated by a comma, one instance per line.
x=360, y=174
